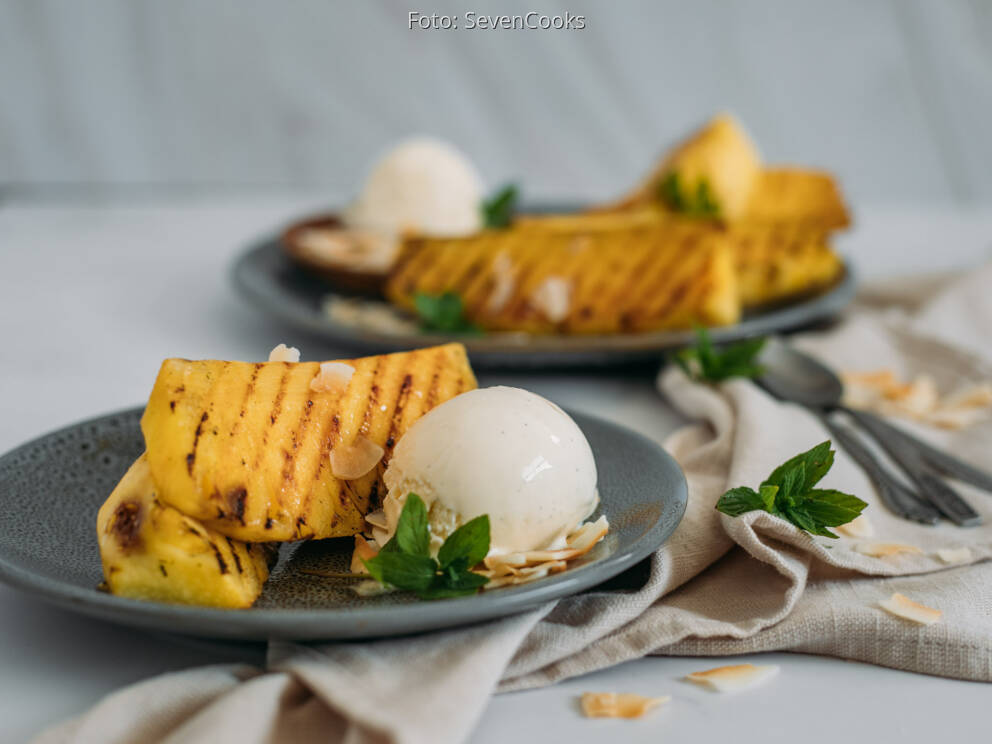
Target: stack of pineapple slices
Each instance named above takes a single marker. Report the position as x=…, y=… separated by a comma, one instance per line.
x=240, y=457
x=709, y=233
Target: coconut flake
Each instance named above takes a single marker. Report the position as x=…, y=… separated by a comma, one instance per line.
x=860, y=526
x=364, y=550
x=902, y=606
x=283, y=353
x=733, y=678
x=618, y=704
x=954, y=555
x=884, y=550
x=552, y=298
x=349, y=462
x=504, y=281
x=333, y=377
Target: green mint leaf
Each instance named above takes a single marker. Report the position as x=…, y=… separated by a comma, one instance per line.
x=680, y=198
x=444, y=588
x=832, y=508
x=442, y=313
x=412, y=534
x=402, y=570
x=498, y=211
x=739, y=500
x=470, y=543
x=703, y=361
x=800, y=517
x=816, y=461
x=788, y=493
x=768, y=494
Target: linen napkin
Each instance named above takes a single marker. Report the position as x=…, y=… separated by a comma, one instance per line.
x=719, y=586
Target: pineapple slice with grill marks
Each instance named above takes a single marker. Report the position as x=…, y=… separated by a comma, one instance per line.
x=245, y=448
x=646, y=272
x=152, y=551
x=777, y=262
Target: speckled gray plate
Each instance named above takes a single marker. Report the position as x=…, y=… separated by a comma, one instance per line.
x=52, y=487
x=271, y=282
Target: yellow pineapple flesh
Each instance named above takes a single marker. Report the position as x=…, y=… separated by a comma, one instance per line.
x=152, y=551
x=246, y=448
x=607, y=274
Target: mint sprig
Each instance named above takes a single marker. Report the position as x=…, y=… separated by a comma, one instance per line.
x=789, y=493
x=703, y=361
x=443, y=313
x=405, y=561
x=700, y=203
x=498, y=210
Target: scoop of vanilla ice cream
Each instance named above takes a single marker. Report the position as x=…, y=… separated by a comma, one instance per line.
x=424, y=186
x=499, y=451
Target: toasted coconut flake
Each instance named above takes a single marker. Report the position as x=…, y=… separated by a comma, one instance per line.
x=733, y=678
x=860, y=526
x=508, y=575
x=588, y=534
x=902, y=606
x=377, y=519
x=370, y=588
x=954, y=555
x=354, y=461
x=552, y=298
x=333, y=377
x=884, y=550
x=283, y=353
x=884, y=392
x=504, y=281
x=364, y=550
x=618, y=704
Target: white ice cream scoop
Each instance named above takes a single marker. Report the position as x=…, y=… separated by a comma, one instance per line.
x=422, y=185
x=499, y=451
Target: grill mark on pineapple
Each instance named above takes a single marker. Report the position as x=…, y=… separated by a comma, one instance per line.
x=126, y=525
x=191, y=456
x=401, y=398
x=234, y=554
x=221, y=563
x=273, y=414
x=249, y=391
x=430, y=397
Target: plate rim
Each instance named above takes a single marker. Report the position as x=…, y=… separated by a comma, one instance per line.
x=258, y=290
x=256, y=624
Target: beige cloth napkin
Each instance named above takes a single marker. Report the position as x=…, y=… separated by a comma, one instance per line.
x=719, y=586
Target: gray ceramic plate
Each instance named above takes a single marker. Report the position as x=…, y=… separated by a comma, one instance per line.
x=51, y=488
x=266, y=277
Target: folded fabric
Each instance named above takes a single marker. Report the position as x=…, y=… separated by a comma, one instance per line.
x=720, y=585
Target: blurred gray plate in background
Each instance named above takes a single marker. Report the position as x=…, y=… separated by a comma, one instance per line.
x=52, y=487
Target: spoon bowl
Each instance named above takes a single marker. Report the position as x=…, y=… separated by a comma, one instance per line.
x=791, y=375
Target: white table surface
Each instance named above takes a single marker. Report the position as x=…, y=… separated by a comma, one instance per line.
x=93, y=296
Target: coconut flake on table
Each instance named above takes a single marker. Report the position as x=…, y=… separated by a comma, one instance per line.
x=860, y=526
x=902, y=606
x=885, y=550
x=283, y=353
x=919, y=400
x=733, y=678
x=954, y=555
x=619, y=704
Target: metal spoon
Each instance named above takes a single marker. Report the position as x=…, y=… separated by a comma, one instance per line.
x=796, y=377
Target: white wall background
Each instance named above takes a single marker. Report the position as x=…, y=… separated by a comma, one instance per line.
x=124, y=96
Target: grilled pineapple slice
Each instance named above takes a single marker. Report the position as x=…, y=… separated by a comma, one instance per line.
x=775, y=262
x=578, y=274
x=791, y=195
x=717, y=173
x=245, y=448
x=152, y=551
x=711, y=173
